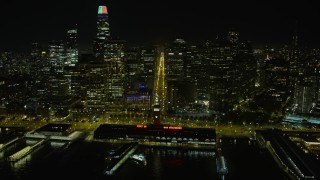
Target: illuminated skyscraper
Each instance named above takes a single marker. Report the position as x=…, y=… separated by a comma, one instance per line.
x=35, y=59
x=57, y=56
x=71, y=48
x=175, y=58
x=233, y=39
x=106, y=79
x=176, y=69
x=103, y=32
x=106, y=75
x=294, y=54
x=115, y=84
x=297, y=87
x=148, y=57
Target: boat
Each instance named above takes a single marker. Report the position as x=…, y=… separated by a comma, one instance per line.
x=139, y=158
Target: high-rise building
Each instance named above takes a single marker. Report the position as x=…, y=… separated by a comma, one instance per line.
x=35, y=67
x=277, y=79
x=233, y=39
x=57, y=56
x=199, y=56
x=103, y=33
x=71, y=48
x=178, y=75
x=294, y=55
x=106, y=75
x=134, y=67
x=114, y=58
x=220, y=76
x=148, y=58
x=305, y=95
x=306, y=91
x=175, y=60
x=244, y=71
x=105, y=80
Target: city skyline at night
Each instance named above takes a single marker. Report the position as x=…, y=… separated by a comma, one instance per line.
x=149, y=89
x=263, y=23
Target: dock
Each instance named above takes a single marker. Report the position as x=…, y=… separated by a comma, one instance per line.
x=120, y=157
x=25, y=151
x=222, y=168
x=4, y=146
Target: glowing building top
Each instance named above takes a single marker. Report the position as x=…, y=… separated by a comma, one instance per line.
x=102, y=10
x=103, y=30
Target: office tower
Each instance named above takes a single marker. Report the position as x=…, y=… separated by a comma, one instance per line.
x=105, y=80
x=103, y=33
x=106, y=73
x=148, y=58
x=134, y=68
x=233, y=39
x=294, y=54
x=233, y=36
x=59, y=86
x=175, y=60
x=39, y=71
x=297, y=85
x=96, y=86
x=178, y=76
x=212, y=71
x=57, y=56
x=35, y=58
x=114, y=58
x=199, y=62
x=212, y=75
x=35, y=67
x=306, y=92
x=71, y=48
x=244, y=71
x=305, y=95
x=277, y=79
x=220, y=75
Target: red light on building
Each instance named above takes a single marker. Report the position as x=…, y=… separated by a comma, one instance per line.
x=141, y=126
x=175, y=127
x=172, y=127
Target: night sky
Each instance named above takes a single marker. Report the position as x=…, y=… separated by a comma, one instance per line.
x=155, y=21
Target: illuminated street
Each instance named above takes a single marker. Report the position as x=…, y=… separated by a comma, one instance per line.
x=160, y=83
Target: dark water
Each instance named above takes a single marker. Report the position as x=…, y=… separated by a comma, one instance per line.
x=85, y=160
x=246, y=161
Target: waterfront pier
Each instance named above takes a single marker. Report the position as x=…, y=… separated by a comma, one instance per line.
x=119, y=156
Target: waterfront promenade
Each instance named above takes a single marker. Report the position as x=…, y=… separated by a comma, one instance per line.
x=229, y=129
